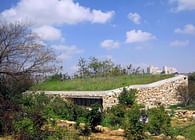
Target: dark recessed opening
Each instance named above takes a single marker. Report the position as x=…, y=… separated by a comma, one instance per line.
x=87, y=102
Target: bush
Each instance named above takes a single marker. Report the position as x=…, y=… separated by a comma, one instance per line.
x=159, y=121
x=8, y=112
x=114, y=116
x=127, y=97
x=94, y=116
x=134, y=128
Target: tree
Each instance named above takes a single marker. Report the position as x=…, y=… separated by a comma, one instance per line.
x=21, y=51
x=83, y=68
x=22, y=54
x=94, y=64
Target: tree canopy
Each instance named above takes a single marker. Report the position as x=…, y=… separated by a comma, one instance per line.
x=22, y=52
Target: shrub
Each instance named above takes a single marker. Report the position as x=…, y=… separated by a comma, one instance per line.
x=159, y=121
x=127, y=97
x=114, y=116
x=94, y=116
x=24, y=126
x=134, y=128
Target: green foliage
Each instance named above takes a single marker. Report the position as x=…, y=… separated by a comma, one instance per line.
x=8, y=112
x=52, y=107
x=25, y=126
x=191, y=77
x=94, y=116
x=114, y=116
x=159, y=121
x=58, y=77
x=10, y=86
x=127, y=97
x=98, y=83
x=191, y=90
x=134, y=128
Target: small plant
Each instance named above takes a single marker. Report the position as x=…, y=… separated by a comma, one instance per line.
x=159, y=121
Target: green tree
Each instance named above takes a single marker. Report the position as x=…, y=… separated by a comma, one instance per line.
x=83, y=68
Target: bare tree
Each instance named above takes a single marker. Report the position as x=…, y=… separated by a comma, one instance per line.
x=22, y=52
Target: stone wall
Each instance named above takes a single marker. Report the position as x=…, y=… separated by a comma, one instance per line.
x=166, y=92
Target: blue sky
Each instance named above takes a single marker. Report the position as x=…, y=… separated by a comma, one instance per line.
x=138, y=32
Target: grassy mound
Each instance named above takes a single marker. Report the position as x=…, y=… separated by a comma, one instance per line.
x=98, y=84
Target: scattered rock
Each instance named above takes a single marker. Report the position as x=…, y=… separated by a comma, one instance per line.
x=99, y=128
x=106, y=129
x=71, y=123
x=82, y=125
x=161, y=137
x=119, y=132
x=179, y=137
x=147, y=133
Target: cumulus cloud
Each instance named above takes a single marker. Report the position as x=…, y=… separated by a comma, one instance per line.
x=183, y=5
x=138, y=36
x=135, y=17
x=110, y=44
x=188, y=29
x=178, y=43
x=48, y=33
x=54, y=12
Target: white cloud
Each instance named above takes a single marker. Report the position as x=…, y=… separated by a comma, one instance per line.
x=49, y=12
x=110, y=44
x=178, y=43
x=183, y=5
x=48, y=33
x=188, y=29
x=67, y=49
x=63, y=57
x=99, y=17
x=138, y=36
x=135, y=17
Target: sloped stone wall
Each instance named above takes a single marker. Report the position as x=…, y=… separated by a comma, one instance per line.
x=166, y=92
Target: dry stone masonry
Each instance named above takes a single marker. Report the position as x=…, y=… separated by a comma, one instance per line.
x=165, y=92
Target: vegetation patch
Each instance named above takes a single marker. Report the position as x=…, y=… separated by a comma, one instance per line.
x=98, y=83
